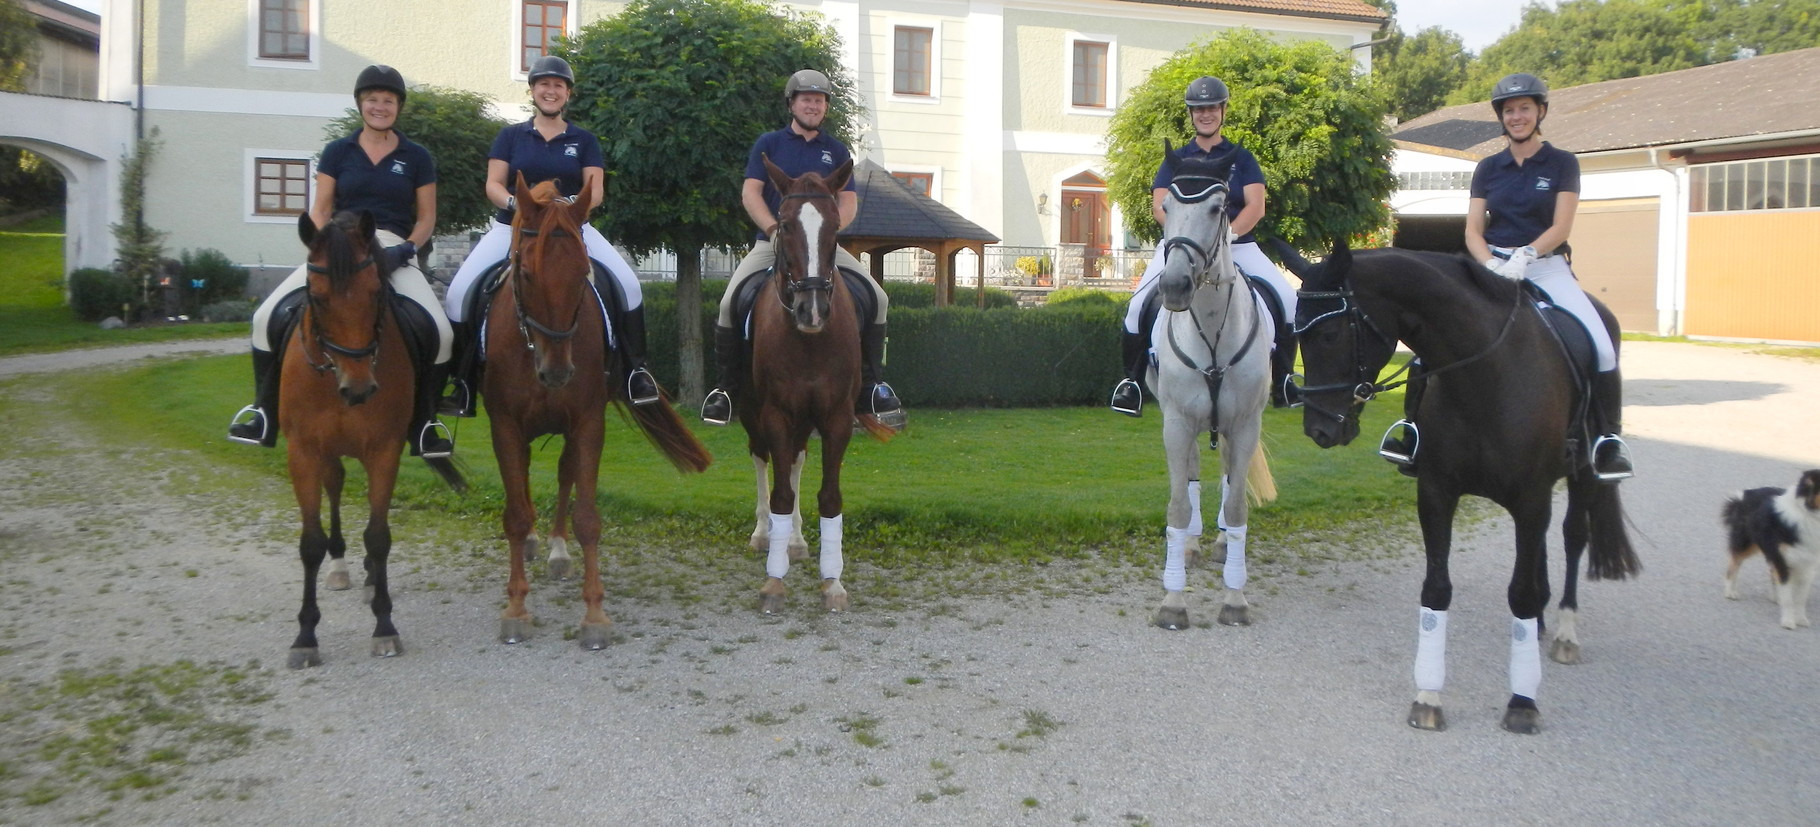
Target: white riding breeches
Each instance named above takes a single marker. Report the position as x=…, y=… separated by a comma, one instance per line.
x=407, y=281
x=1250, y=260
x=1556, y=278
x=763, y=256
x=492, y=248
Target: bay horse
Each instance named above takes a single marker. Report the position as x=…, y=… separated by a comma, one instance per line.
x=805, y=379
x=1497, y=403
x=547, y=372
x=346, y=391
x=1211, y=375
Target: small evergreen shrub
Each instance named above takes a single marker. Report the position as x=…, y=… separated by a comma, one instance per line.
x=96, y=294
x=220, y=278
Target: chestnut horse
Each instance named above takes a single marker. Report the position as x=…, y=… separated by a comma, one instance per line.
x=805, y=379
x=346, y=391
x=547, y=372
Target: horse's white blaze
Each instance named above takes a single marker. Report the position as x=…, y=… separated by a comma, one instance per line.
x=1431, y=654
x=832, y=562
x=1525, y=658
x=777, y=561
x=1175, y=563
x=812, y=231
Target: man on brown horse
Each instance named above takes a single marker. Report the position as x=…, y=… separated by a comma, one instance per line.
x=801, y=147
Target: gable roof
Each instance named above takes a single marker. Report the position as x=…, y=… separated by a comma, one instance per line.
x=1765, y=95
x=1353, y=10
x=889, y=209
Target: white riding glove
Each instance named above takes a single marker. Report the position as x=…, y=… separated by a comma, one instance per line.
x=1518, y=263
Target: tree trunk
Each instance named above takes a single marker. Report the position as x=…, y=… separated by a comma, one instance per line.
x=688, y=327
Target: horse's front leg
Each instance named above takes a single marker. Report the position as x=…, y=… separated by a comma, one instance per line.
x=334, y=475
x=581, y=457
x=1528, y=595
x=1435, y=508
x=782, y=517
x=828, y=501
x=513, y=452
x=1576, y=529
x=1182, y=532
x=557, y=562
x=1235, y=461
x=312, y=546
x=382, y=478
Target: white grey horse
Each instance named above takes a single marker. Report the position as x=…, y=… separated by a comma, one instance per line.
x=1211, y=374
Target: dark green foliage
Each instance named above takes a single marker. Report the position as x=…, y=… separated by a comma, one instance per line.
x=28, y=181
x=1315, y=125
x=221, y=279
x=140, y=248
x=96, y=294
x=1416, y=72
x=457, y=127
x=232, y=310
x=923, y=295
x=18, y=45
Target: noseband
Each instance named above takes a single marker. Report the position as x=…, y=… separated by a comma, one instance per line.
x=526, y=322
x=330, y=347
x=809, y=283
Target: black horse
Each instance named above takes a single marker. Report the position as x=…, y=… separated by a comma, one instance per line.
x=1497, y=402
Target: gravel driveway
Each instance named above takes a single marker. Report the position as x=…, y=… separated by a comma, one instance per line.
x=1047, y=702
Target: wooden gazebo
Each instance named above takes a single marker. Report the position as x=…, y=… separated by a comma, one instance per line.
x=893, y=216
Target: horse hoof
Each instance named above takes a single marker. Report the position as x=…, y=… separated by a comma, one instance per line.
x=338, y=581
x=387, y=647
x=1173, y=618
x=514, y=629
x=1427, y=716
x=1564, y=651
x=771, y=596
x=302, y=658
x=1523, y=720
x=595, y=637
x=558, y=568
x=834, y=596
x=1235, y=616
x=759, y=542
x=798, y=550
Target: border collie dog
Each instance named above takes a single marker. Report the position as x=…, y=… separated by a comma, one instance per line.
x=1785, y=526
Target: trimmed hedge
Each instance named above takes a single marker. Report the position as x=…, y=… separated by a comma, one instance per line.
x=960, y=356
x=96, y=294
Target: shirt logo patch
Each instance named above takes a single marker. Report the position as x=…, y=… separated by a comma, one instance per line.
x=1543, y=184
x=827, y=158
x=397, y=167
x=571, y=151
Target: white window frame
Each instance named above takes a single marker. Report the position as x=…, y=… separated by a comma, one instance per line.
x=314, y=62
x=517, y=14
x=249, y=183
x=1112, y=74
x=934, y=173
x=934, y=25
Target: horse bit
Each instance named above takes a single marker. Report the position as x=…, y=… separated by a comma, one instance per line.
x=324, y=343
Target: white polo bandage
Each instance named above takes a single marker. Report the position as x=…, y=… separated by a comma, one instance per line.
x=777, y=562
x=1525, y=658
x=1431, y=650
x=1235, y=557
x=1194, y=507
x=1175, y=560
x=832, y=562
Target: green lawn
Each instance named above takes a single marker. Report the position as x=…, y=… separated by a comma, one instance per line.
x=33, y=316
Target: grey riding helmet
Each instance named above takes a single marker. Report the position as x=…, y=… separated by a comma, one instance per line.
x=379, y=77
x=1518, y=85
x=808, y=80
x=551, y=66
x=1206, y=91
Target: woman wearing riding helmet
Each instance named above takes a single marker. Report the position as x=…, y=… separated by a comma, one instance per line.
x=379, y=170
x=545, y=148
x=1517, y=223
x=1206, y=98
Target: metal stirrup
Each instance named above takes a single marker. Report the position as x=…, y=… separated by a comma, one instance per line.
x=265, y=425
x=1415, y=435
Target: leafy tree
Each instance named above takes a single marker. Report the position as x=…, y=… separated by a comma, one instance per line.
x=678, y=90
x=141, y=248
x=1587, y=41
x=1417, y=73
x=1735, y=28
x=18, y=45
x=1316, y=127
x=457, y=128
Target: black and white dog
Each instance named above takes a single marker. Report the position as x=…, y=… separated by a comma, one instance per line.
x=1785, y=526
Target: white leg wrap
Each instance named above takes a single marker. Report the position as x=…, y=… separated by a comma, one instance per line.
x=1235, y=557
x=777, y=561
x=1525, y=658
x=1431, y=650
x=1175, y=561
x=832, y=561
x=1194, y=507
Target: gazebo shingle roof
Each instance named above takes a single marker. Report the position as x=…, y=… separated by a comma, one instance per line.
x=888, y=209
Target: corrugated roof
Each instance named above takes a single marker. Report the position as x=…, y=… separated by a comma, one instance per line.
x=1763, y=95
x=1355, y=10
x=889, y=208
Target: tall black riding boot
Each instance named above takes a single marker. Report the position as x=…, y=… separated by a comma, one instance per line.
x=641, y=386
x=1282, y=364
x=1402, y=440
x=261, y=418
x=1128, y=397
x=717, y=409
x=463, y=370
x=1610, y=456
x=876, y=397
x=429, y=437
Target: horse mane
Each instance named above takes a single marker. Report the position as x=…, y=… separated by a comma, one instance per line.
x=335, y=243
x=551, y=222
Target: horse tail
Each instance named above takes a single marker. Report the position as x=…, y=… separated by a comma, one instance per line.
x=666, y=431
x=1612, y=557
x=874, y=428
x=450, y=473
x=1260, y=484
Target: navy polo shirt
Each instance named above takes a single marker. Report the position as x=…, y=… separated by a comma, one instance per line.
x=387, y=189
x=1245, y=171
x=560, y=159
x=795, y=156
x=1520, y=200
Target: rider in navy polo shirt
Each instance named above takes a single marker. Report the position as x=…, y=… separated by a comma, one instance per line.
x=379, y=170
x=798, y=148
x=545, y=148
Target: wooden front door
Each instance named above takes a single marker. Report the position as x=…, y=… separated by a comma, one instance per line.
x=1086, y=221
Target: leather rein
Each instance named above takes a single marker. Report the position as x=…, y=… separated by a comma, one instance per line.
x=527, y=322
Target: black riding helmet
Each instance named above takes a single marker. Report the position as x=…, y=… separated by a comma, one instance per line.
x=379, y=77
x=1518, y=85
x=551, y=66
x=1206, y=91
